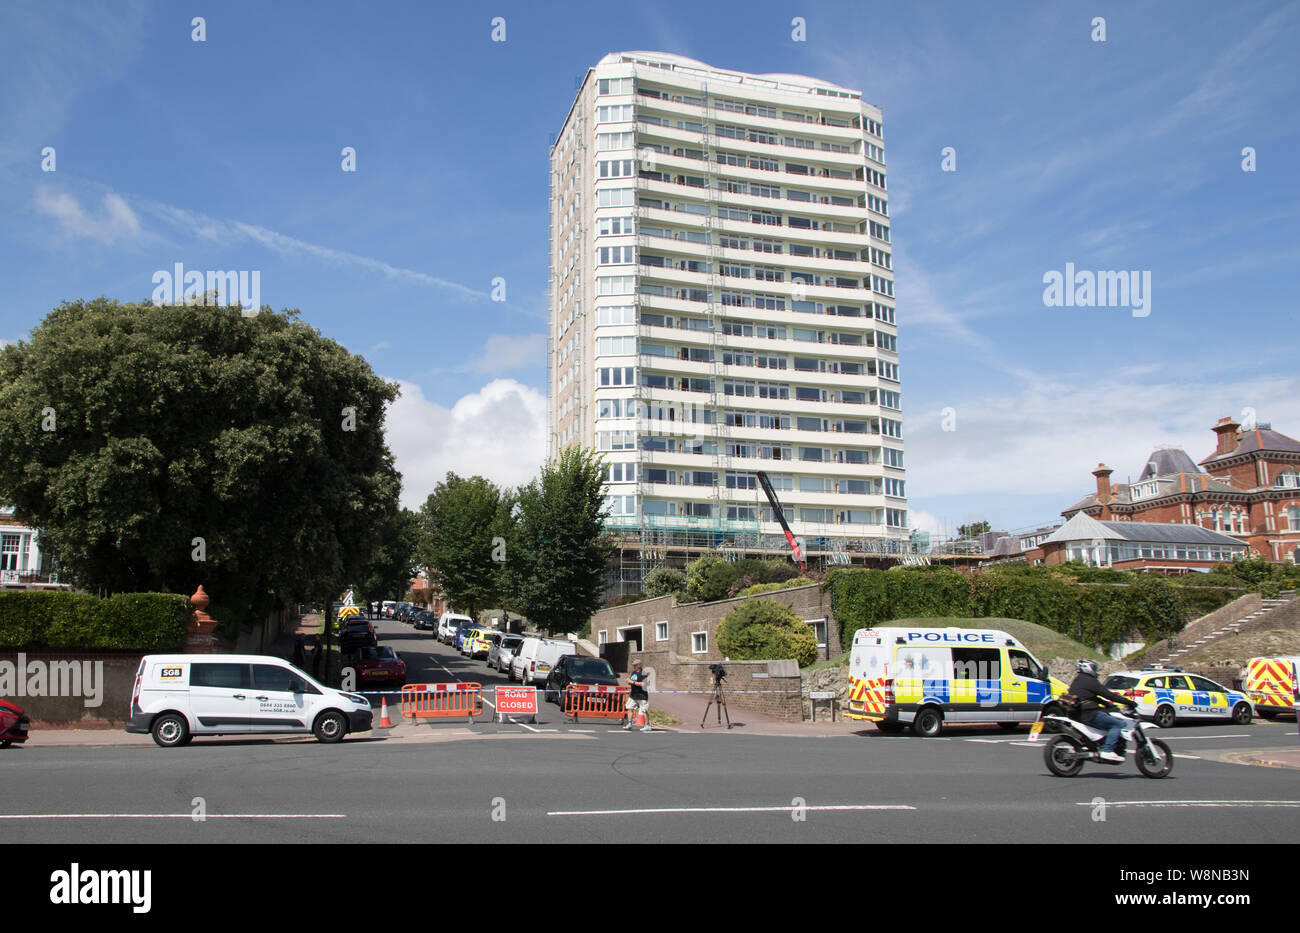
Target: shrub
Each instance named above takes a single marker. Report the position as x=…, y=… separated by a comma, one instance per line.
x=757, y=588
x=709, y=577
x=664, y=581
x=1095, y=613
x=766, y=630
x=139, y=621
x=625, y=600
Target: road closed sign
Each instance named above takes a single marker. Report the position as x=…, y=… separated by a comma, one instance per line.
x=516, y=701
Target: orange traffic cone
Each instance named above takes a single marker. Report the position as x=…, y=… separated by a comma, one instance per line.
x=384, y=721
x=641, y=720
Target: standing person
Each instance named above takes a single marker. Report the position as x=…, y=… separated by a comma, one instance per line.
x=639, y=699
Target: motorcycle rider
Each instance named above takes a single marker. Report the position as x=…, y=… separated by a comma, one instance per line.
x=1089, y=690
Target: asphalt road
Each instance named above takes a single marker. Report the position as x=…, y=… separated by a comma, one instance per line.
x=595, y=783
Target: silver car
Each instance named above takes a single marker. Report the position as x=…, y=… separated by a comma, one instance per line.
x=502, y=651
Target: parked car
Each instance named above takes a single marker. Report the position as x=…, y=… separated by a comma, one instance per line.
x=502, y=651
x=1164, y=695
x=462, y=632
x=425, y=620
x=574, y=669
x=14, y=724
x=179, y=696
x=536, y=656
x=356, y=633
x=379, y=664
x=448, y=625
x=477, y=643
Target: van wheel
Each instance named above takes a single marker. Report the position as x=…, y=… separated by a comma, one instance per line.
x=1267, y=713
x=928, y=723
x=330, y=727
x=170, y=730
x=1241, y=714
x=1009, y=726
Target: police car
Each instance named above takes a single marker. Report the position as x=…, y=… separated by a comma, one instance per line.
x=1166, y=694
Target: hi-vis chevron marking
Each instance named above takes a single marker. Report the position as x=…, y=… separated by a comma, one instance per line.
x=866, y=699
x=1268, y=682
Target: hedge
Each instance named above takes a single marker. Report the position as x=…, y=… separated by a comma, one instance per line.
x=1098, y=614
x=766, y=630
x=137, y=621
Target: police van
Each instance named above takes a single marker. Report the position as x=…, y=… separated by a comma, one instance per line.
x=1271, y=685
x=177, y=697
x=925, y=677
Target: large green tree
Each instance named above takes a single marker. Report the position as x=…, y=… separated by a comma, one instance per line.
x=560, y=543
x=461, y=527
x=162, y=447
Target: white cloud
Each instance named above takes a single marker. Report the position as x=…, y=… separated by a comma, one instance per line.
x=114, y=222
x=1046, y=438
x=498, y=432
x=503, y=353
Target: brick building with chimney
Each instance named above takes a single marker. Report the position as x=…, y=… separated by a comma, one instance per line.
x=1248, y=489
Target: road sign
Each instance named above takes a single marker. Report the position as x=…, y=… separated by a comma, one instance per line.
x=823, y=695
x=516, y=701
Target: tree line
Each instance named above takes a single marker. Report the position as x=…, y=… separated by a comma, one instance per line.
x=159, y=447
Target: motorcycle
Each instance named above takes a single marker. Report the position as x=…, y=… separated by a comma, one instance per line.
x=1078, y=743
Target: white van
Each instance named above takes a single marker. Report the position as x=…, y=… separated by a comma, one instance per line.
x=179, y=696
x=925, y=677
x=448, y=623
x=535, y=657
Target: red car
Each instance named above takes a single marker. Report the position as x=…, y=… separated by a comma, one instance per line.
x=13, y=724
x=379, y=664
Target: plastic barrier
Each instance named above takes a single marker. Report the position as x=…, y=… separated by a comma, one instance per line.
x=442, y=701
x=596, y=701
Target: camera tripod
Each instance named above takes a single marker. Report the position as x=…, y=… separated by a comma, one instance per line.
x=719, y=699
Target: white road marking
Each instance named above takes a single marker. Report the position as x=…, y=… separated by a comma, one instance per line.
x=785, y=809
x=173, y=816
x=1235, y=735
x=1195, y=803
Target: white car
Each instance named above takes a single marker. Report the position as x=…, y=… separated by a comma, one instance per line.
x=535, y=657
x=177, y=697
x=448, y=624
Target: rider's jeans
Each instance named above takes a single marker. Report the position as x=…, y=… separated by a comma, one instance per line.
x=1112, y=724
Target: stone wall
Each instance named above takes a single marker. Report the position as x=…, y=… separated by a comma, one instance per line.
x=104, y=679
x=779, y=682
x=688, y=619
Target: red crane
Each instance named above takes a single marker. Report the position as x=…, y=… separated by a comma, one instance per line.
x=780, y=517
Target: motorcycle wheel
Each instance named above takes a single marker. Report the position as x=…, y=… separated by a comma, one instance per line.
x=1155, y=760
x=1058, y=756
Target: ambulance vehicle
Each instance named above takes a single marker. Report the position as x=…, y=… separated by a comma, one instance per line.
x=926, y=677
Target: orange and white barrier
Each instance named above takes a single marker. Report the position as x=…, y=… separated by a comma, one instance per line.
x=596, y=701
x=442, y=701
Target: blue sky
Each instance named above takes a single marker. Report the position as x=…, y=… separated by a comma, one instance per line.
x=1117, y=155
